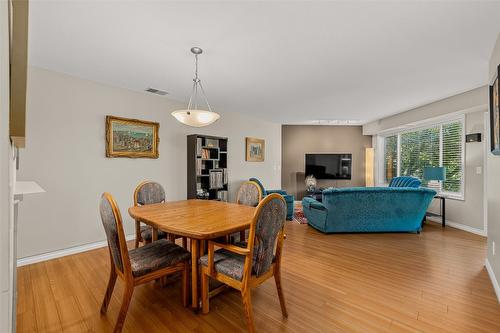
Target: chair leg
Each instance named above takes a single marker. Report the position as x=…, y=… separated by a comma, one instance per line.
x=185, y=285
x=242, y=236
x=137, y=234
x=205, y=302
x=247, y=304
x=109, y=290
x=277, y=279
x=127, y=297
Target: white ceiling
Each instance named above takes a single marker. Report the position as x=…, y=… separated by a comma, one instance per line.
x=288, y=62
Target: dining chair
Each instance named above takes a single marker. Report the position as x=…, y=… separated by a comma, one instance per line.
x=147, y=193
x=140, y=265
x=244, y=268
x=249, y=194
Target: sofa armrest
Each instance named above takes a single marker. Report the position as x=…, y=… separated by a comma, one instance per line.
x=276, y=191
x=312, y=204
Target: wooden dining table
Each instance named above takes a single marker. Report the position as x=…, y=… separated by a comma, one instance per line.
x=198, y=220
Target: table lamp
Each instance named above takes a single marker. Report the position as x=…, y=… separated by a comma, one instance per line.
x=434, y=175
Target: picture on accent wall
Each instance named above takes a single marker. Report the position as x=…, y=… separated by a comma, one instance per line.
x=255, y=150
x=495, y=116
x=131, y=138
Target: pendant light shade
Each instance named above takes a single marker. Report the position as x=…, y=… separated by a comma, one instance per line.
x=194, y=116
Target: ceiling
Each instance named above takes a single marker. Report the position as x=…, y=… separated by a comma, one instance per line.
x=287, y=62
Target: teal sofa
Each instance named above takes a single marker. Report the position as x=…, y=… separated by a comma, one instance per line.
x=369, y=209
x=289, y=199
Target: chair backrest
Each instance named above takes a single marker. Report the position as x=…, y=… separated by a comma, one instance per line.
x=405, y=181
x=112, y=222
x=249, y=194
x=262, y=189
x=267, y=225
x=148, y=192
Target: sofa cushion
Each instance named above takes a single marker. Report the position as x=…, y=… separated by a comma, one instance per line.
x=405, y=181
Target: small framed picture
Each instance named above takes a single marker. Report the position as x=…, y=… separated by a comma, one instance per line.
x=255, y=150
x=495, y=116
x=131, y=138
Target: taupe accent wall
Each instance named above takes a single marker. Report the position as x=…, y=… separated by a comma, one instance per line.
x=297, y=140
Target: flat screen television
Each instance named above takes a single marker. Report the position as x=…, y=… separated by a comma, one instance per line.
x=329, y=166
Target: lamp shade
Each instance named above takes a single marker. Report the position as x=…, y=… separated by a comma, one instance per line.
x=196, y=118
x=435, y=173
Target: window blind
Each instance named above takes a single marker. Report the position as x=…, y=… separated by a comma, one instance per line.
x=452, y=156
x=419, y=149
x=440, y=145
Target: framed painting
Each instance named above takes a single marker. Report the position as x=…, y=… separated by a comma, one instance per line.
x=131, y=138
x=255, y=150
x=495, y=116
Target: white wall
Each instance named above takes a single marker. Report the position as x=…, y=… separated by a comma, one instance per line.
x=6, y=260
x=467, y=214
x=65, y=155
x=493, y=183
x=470, y=212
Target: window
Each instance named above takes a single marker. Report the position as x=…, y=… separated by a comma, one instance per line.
x=408, y=153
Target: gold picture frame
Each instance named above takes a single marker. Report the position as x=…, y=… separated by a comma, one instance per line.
x=131, y=138
x=255, y=150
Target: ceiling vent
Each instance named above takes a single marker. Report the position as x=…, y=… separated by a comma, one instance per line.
x=156, y=91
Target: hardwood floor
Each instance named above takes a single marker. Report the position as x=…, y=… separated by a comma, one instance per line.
x=432, y=282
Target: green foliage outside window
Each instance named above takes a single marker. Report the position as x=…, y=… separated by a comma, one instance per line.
x=422, y=148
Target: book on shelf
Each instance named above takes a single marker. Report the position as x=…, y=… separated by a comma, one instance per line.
x=225, y=176
x=199, y=144
x=216, y=179
x=222, y=195
x=199, y=167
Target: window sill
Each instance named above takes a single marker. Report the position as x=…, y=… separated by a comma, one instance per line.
x=452, y=196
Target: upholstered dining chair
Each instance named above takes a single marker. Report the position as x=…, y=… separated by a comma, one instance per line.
x=243, y=268
x=137, y=266
x=147, y=193
x=249, y=194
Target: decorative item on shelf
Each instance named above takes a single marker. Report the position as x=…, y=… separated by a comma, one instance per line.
x=131, y=138
x=193, y=115
x=311, y=183
x=435, y=175
x=495, y=116
x=255, y=150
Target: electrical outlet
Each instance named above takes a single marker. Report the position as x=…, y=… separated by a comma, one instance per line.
x=493, y=247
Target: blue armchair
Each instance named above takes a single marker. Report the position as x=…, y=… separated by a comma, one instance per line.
x=289, y=199
x=405, y=181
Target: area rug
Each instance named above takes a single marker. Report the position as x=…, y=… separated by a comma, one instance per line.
x=299, y=216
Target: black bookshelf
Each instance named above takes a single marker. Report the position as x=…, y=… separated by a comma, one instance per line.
x=207, y=176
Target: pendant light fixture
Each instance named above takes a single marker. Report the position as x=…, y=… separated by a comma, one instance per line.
x=193, y=115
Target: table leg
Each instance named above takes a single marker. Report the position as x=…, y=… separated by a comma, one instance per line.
x=154, y=236
x=194, y=272
x=443, y=213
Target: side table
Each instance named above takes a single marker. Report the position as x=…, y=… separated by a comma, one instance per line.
x=442, y=209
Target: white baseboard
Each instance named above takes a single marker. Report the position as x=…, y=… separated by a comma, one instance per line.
x=65, y=252
x=493, y=278
x=460, y=226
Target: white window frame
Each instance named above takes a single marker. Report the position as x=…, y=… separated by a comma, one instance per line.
x=450, y=195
